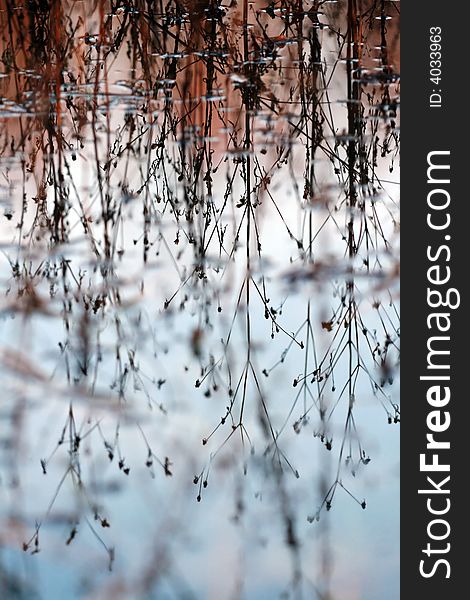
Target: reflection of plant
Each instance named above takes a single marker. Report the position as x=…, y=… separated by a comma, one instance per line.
x=184, y=157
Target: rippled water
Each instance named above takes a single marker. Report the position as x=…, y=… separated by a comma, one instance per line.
x=199, y=317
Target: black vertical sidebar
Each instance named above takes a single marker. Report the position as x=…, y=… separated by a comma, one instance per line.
x=435, y=252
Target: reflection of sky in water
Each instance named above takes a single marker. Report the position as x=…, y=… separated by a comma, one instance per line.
x=231, y=544
x=156, y=524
